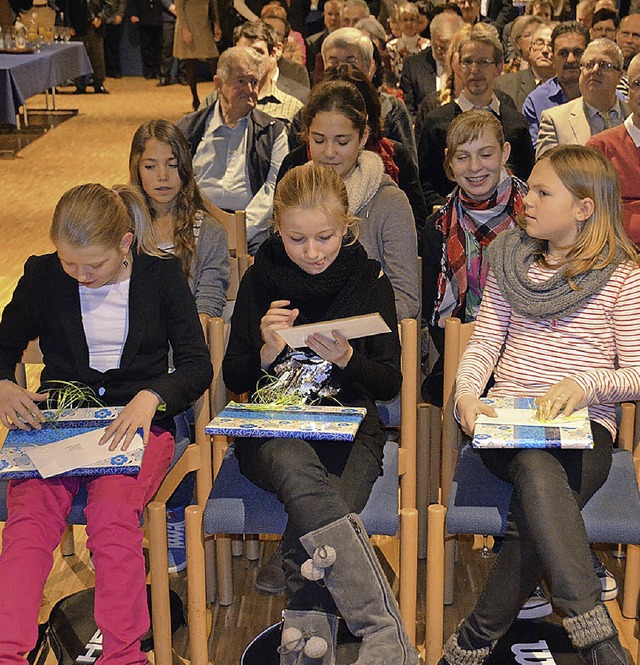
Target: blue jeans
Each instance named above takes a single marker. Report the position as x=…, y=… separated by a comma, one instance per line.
x=318, y=483
x=545, y=535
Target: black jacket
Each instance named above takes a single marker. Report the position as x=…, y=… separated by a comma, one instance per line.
x=162, y=312
x=418, y=79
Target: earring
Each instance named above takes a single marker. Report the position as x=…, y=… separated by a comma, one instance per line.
x=125, y=262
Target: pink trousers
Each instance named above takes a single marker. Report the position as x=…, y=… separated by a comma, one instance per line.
x=38, y=511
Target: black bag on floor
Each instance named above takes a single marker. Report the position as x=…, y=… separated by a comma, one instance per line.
x=71, y=632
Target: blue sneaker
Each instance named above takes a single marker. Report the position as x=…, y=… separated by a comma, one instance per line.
x=176, y=539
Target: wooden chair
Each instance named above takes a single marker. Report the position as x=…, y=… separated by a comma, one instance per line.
x=235, y=224
x=237, y=506
x=477, y=502
x=191, y=457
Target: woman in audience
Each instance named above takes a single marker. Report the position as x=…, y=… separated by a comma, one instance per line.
x=516, y=38
x=409, y=40
x=105, y=309
x=567, y=282
x=160, y=166
x=486, y=201
x=335, y=132
x=312, y=269
x=398, y=164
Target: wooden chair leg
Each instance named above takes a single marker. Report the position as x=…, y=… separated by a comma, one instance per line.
x=434, y=611
x=449, y=566
x=631, y=582
x=224, y=567
x=423, y=445
x=158, y=564
x=409, y=570
x=67, y=544
x=237, y=545
x=252, y=546
x=197, y=610
x=210, y=568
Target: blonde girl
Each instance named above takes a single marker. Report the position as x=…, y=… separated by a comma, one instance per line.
x=104, y=313
x=312, y=269
x=559, y=321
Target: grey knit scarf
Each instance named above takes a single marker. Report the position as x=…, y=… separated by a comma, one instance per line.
x=510, y=256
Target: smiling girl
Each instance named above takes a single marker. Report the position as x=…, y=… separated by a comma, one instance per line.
x=105, y=312
x=559, y=320
x=160, y=166
x=486, y=201
x=313, y=269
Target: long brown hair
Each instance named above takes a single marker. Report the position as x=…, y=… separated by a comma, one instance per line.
x=189, y=200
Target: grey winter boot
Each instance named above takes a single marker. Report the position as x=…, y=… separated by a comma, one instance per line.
x=595, y=637
x=308, y=638
x=454, y=654
x=343, y=557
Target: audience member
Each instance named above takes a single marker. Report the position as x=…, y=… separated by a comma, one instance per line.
x=409, y=41
x=604, y=24
x=355, y=48
x=520, y=84
x=621, y=146
x=237, y=149
x=195, y=40
x=568, y=41
x=584, y=12
x=113, y=29
x=354, y=11
x=313, y=269
x=166, y=52
x=294, y=46
x=480, y=56
x=426, y=73
x=517, y=41
x=334, y=128
x=332, y=15
x=146, y=15
x=485, y=201
x=598, y=108
x=628, y=39
x=569, y=273
x=611, y=5
x=498, y=12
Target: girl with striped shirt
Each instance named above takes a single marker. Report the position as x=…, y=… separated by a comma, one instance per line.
x=559, y=320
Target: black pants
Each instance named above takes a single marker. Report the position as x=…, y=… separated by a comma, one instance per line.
x=166, y=52
x=545, y=535
x=318, y=483
x=150, y=49
x=93, y=41
x=112, y=39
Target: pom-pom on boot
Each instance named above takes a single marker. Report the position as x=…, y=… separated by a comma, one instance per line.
x=308, y=638
x=454, y=654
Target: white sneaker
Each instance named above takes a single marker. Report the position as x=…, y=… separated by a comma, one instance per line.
x=607, y=580
x=536, y=606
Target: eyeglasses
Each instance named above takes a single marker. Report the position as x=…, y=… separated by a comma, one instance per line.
x=576, y=53
x=539, y=43
x=603, y=31
x=467, y=63
x=603, y=66
x=634, y=85
x=439, y=47
x=349, y=60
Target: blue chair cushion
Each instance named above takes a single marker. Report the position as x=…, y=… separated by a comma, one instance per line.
x=479, y=501
x=236, y=505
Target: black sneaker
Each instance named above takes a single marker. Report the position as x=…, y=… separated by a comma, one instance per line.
x=536, y=606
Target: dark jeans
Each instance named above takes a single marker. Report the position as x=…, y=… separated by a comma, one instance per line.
x=94, y=43
x=318, y=483
x=112, y=38
x=166, y=53
x=150, y=49
x=545, y=535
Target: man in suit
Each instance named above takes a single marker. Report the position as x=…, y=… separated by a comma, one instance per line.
x=424, y=73
x=519, y=84
x=598, y=108
x=568, y=42
x=481, y=60
x=332, y=20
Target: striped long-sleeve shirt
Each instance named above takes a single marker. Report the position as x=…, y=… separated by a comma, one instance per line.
x=598, y=347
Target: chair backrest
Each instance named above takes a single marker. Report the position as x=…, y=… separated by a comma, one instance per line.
x=32, y=356
x=235, y=224
x=238, y=265
x=456, y=337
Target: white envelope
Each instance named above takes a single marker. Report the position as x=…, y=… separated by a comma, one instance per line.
x=351, y=327
x=75, y=452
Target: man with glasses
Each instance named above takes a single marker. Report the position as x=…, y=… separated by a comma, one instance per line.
x=628, y=39
x=568, y=42
x=605, y=24
x=481, y=60
x=519, y=84
x=424, y=73
x=621, y=146
x=598, y=108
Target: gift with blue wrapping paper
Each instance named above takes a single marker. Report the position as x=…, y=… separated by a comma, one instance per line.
x=518, y=427
x=327, y=423
x=15, y=463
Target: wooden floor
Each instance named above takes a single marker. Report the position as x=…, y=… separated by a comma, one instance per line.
x=94, y=147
